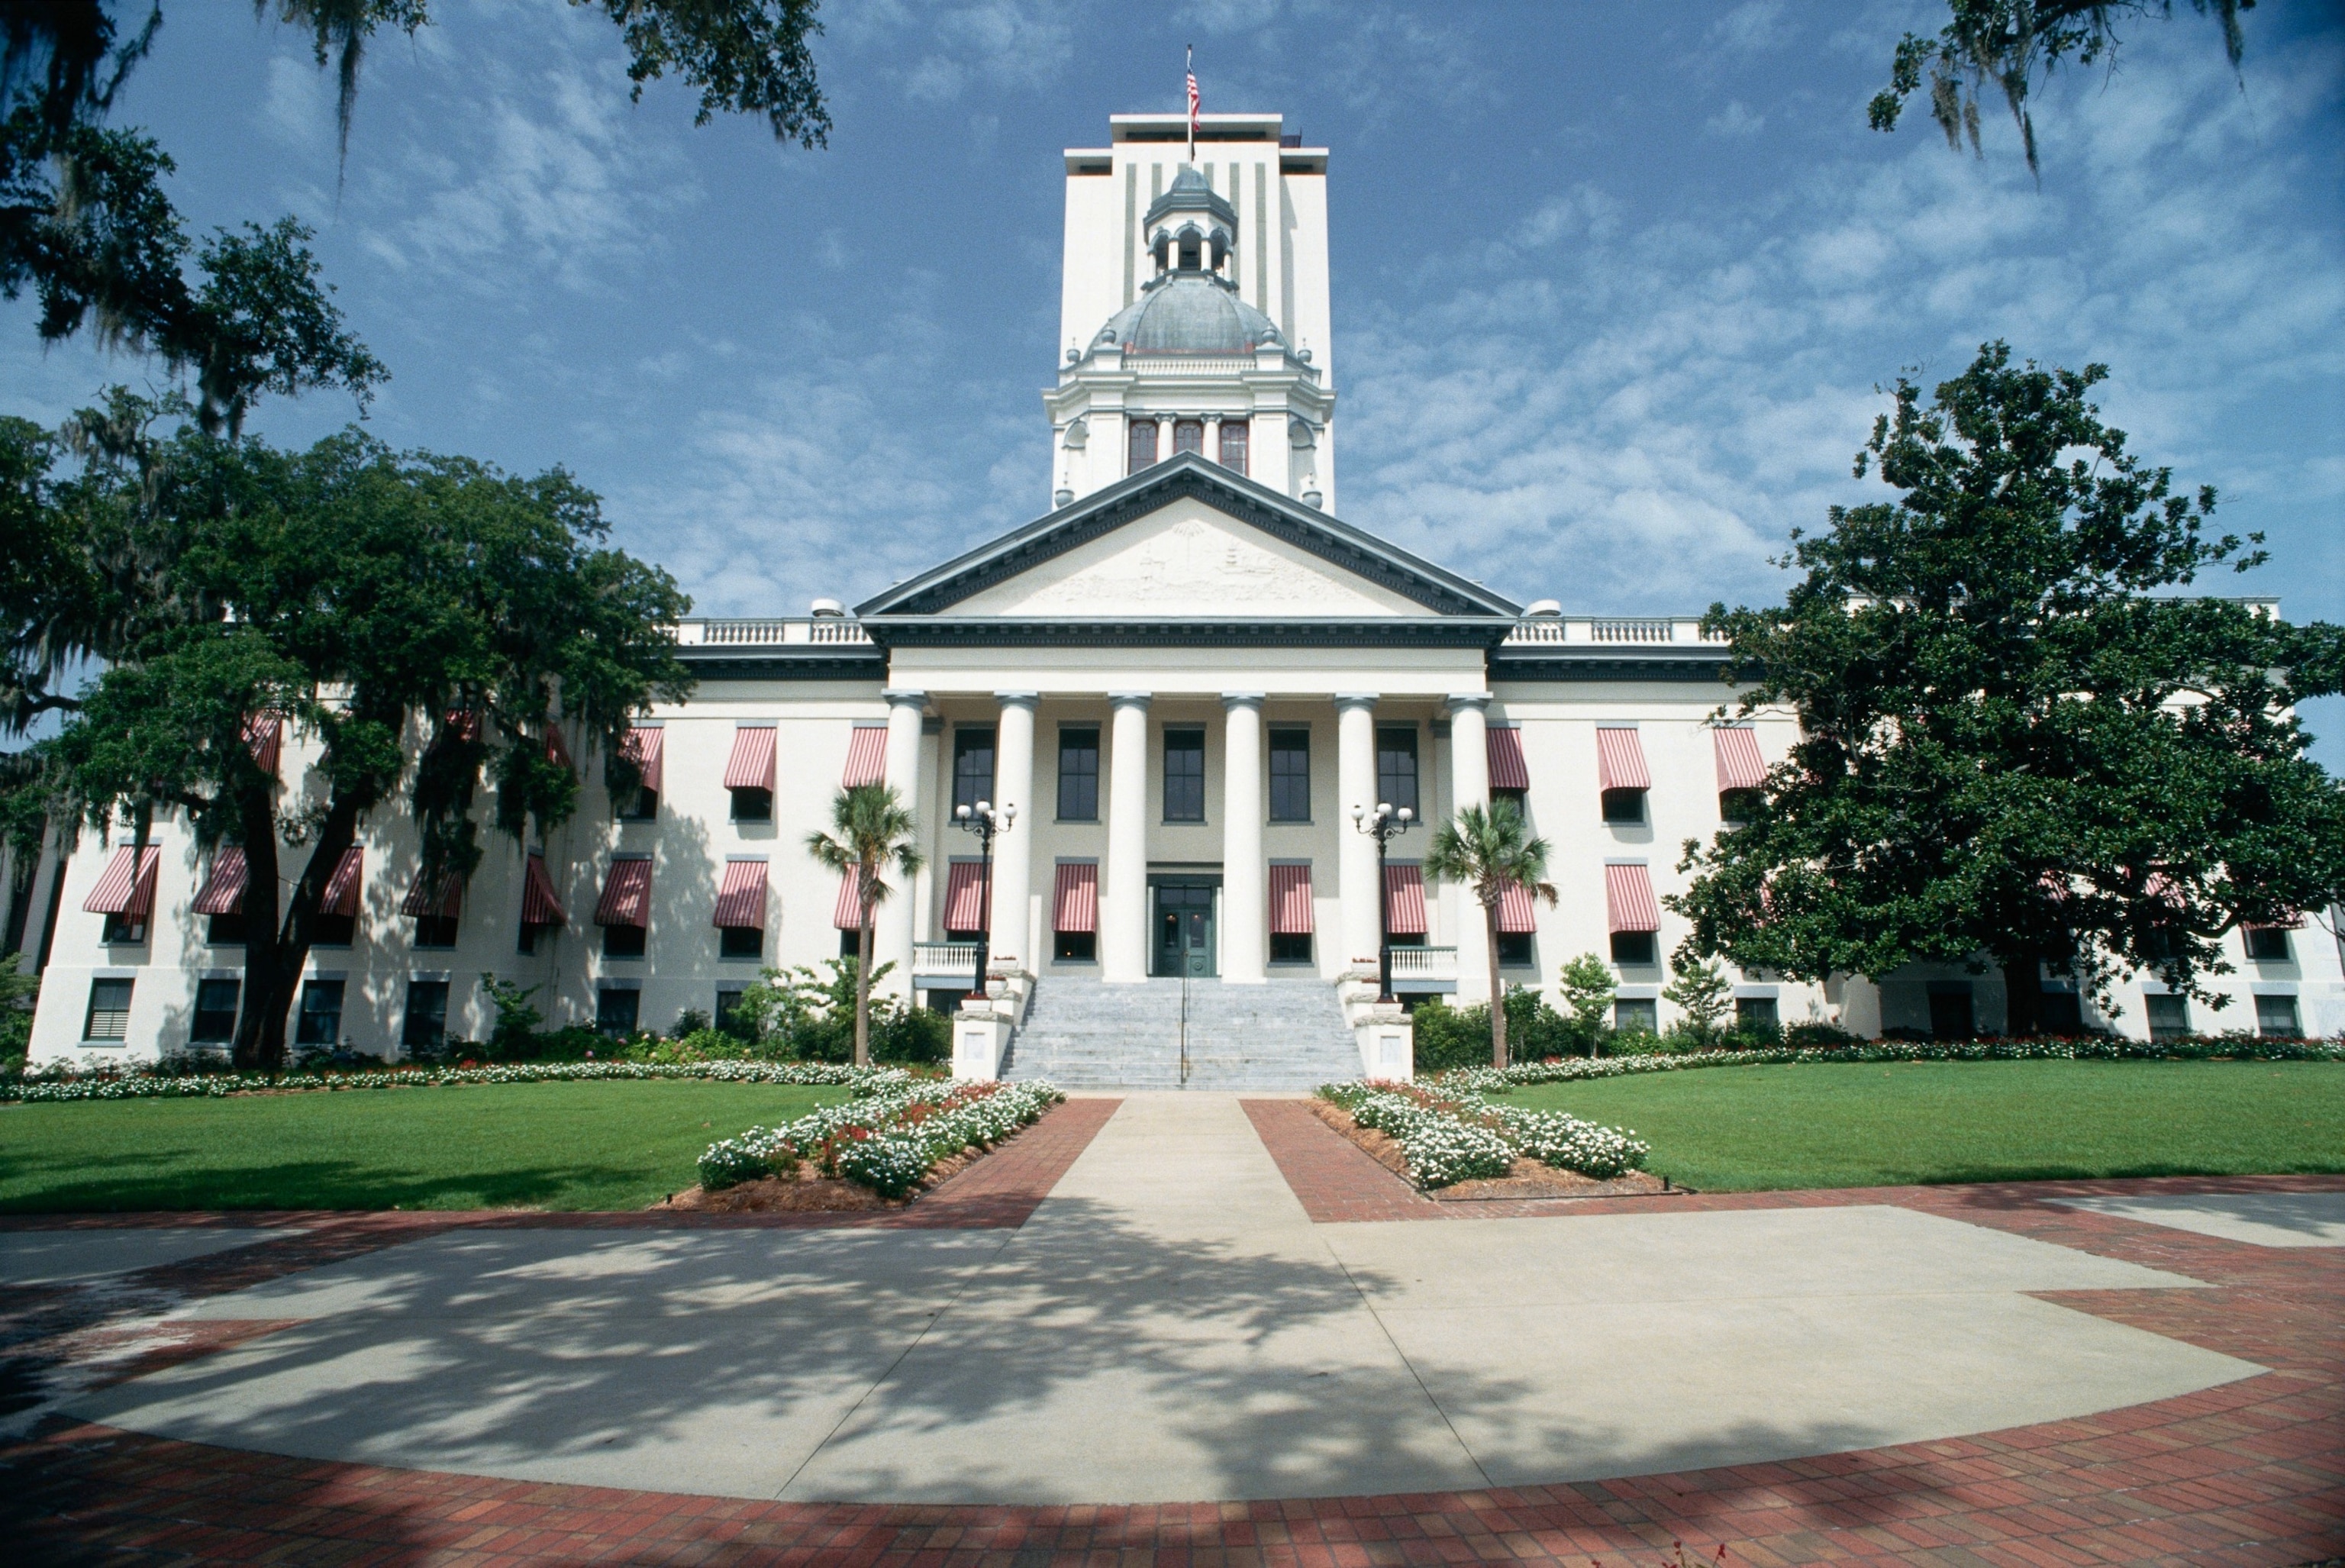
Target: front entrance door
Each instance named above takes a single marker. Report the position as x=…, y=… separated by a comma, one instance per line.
x=1184, y=928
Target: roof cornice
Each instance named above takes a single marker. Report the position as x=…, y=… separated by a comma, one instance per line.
x=1103, y=512
x=1187, y=631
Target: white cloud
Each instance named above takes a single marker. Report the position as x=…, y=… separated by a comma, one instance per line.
x=1734, y=120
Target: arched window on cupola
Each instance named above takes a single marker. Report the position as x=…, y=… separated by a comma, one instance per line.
x=1188, y=435
x=1143, y=446
x=1160, y=248
x=1192, y=250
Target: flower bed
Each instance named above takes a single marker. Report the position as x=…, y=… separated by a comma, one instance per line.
x=1570, y=1069
x=887, y=1141
x=201, y=1085
x=1449, y=1137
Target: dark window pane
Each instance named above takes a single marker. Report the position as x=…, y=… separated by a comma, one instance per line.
x=1396, y=767
x=2276, y=1018
x=728, y=1003
x=321, y=1022
x=1632, y=947
x=1755, y=1015
x=850, y=942
x=615, y=1011
x=2061, y=1012
x=1950, y=1011
x=639, y=804
x=2169, y=1016
x=740, y=942
x=1289, y=776
x=227, y=930
x=972, y=764
x=123, y=928
x=1077, y=946
x=214, y=1020
x=2267, y=945
x=623, y=942
x=1290, y=947
x=1079, y=757
x=109, y=1010
x=1234, y=444
x=753, y=805
x=1636, y=1016
x=435, y=931
x=1184, y=775
x=426, y=1024
x=334, y=930
x=1734, y=805
x=1515, y=950
x=1188, y=435
x=1144, y=444
x=1624, y=804
x=1519, y=798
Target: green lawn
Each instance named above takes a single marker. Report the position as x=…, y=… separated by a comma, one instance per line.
x=1874, y=1123
x=523, y=1145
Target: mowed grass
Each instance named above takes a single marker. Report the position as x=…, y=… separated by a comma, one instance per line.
x=521, y=1146
x=1876, y=1124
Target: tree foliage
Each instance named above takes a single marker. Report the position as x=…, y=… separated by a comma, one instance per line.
x=1490, y=851
x=428, y=621
x=2010, y=44
x=2016, y=739
x=872, y=832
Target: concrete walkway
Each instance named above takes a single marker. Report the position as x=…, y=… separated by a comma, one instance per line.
x=1168, y=1325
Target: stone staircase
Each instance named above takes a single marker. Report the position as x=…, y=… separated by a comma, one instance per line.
x=1283, y=1034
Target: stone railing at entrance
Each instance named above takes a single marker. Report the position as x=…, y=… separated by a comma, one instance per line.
x=944, y=958
x=1424, y=964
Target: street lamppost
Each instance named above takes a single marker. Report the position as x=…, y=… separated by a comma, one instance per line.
x=985, y=822
x=1383, y=824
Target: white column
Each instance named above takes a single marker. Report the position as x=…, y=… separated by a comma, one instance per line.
x=1356, y=786
x=1123, y=896
x=1246, y=896
x=1013, y=858
x=1469, y=785
x=892, y=937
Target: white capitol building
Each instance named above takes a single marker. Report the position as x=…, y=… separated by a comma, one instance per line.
x=1184, y=677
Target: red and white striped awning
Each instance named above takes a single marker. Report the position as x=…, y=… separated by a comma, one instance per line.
x=1075, y=902
x=464, y=723
x=1739, y=766
x=223, y=891
x=1620, y=759
x=265, y=734
x=1504, y=745
x=128, y=888
x=341, y=897
x=626, y=894
x=1290, y=900
x=1517, y=911
x=443, y=896
x=1405, y=901
x=847, y=913
x=867, y=756
x=557, y=750
x=752, y=763
x=741, y=896
x=538, y=904
x=646, y=746
x=965, y=896
x=1629, y=898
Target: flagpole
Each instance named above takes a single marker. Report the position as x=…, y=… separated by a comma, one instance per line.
x=1189, y=66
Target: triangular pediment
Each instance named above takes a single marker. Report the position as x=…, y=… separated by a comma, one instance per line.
x=1188, y=538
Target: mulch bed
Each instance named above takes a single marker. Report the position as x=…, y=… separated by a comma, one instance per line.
x=1530, y=1179
x=810, y=1192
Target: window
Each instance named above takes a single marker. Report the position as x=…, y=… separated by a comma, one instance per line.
x=728, y=1019
x=640, y=804
x=527, y=945
x=2169, y=1016
x=1143, y=445
x=1951, y=1017
x=426, y=1025
x=2276, y=1018
x=1184, y=775
x=623, y=940
x=124, y=929
x=1191, y=257
x=753, y=805
x=320, y=1021
x=740, y=942
x=333, y=930
x=1632, y=947
x=1755, y=1015
x=1290, y=947
x=1515, y=950
x=225, y=930
x=1289, y=776
x=850, y=941
x=1075, y=946
x=1396, y=767
x=1188, y=435
x=615, y=1011
x=973, y=765
x=214, y=1020
x=1636, y=1015
x=2266, y=943
x=1078, y=760
x=1625, y=806
x=109, y=1010
x=1737, y=805
x=1521, y=799
x=1234, y=446
x=2060, y=1012
x=435, y=931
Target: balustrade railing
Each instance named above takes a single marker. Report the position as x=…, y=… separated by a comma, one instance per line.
x=1424, y=964
x=944, y=958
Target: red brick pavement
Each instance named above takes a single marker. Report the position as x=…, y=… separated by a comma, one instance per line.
x=2250, y=1473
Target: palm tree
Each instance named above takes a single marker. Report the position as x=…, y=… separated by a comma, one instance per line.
x=871, y=830
x=1491, y=851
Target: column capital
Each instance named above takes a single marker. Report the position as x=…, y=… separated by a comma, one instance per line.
x=904, y=696
x=1242, y=699
x=1357, y=699
x=1017, y=698
x=1139, y=699
x=1477, y=700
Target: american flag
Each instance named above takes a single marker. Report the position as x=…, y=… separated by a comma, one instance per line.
x=1192, y=105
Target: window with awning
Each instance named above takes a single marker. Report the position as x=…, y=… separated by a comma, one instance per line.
x=1290, y=912
x=965, y=899
x=223, y=889
x=338, y=908
x=741, y=909
x=1517, y=911
x=1632, y=912
x=1740, y=771
x=646, y=746
x=540, y=909
x=749, y=773
x=847, y=914
x=1405, y=899
x=264, y=734
x=1621, y=774
x=125, y=894
x=1503, y=744
x=436, y=903
x=867, y=757
x=625, y=910
x=1075, y=911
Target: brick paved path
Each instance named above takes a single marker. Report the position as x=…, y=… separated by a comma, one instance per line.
x=2249, y=1472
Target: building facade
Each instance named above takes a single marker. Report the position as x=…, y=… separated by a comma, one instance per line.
x=1185, y=678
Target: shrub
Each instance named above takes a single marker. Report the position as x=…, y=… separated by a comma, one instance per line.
x=1448, y=1037
x=886, y=1141
x=1449, y=1137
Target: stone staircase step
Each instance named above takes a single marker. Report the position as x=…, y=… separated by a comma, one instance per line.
x=1086, y=1034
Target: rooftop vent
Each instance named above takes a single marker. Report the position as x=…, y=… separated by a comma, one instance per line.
x=829, y=608
x=1545, y=610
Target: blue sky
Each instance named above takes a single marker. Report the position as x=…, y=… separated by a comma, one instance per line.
x=1614, y=285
